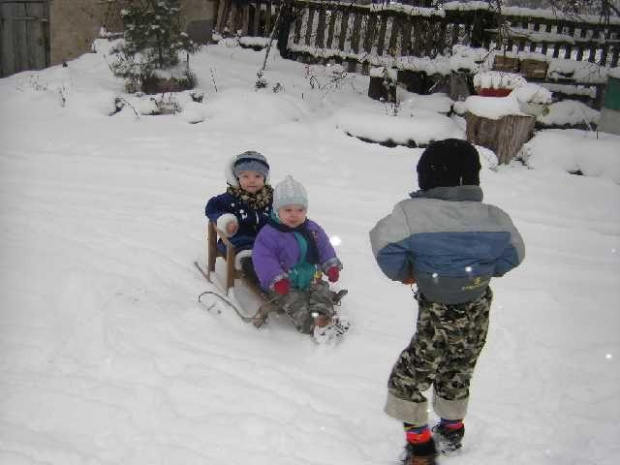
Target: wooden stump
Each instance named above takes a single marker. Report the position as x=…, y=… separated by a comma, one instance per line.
x=505, y=136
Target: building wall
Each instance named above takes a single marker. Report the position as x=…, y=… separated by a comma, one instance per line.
x=75, y=24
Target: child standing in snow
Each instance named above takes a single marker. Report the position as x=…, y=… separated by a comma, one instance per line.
x=244, y=208
x=288, y=253
x=451, y=244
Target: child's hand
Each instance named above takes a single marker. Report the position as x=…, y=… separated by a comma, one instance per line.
x=231, y=228
x=282, y=287
x=333, y=274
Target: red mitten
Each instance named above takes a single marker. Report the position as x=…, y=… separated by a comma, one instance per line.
x=282, y=287
x=333, y=274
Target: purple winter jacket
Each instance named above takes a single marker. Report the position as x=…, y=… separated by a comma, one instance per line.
x=276, y=252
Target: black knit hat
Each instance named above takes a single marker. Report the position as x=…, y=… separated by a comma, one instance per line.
x=448, y=163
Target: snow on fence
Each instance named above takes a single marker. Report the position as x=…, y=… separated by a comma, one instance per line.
x=566, y=38
x=376, y=33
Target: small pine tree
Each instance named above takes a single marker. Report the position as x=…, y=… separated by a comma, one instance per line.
x=153, y=41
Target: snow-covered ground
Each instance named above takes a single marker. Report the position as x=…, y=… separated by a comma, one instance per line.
x=107, y=358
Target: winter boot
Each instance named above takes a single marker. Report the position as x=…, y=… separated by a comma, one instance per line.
x=420, y=448
x=423, y=453
x=337, y=296
x=332, y=332
x=449, y=435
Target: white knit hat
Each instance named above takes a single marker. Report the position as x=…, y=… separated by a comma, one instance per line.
x=289, y=192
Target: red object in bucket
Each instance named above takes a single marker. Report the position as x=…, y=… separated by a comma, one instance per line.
x=490, y=92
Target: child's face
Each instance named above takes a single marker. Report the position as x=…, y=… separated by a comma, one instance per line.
x=251, y=181
x=292, y=215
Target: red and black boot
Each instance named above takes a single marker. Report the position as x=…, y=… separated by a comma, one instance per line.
x=449, y=435
x=420, y=449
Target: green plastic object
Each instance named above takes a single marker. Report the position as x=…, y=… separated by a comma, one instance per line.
x=612, y=94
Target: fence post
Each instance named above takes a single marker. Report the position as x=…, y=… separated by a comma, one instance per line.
x=482, y=21
x=286, y=19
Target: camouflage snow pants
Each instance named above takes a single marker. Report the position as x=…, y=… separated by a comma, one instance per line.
x=442, y=353
x=302, y=305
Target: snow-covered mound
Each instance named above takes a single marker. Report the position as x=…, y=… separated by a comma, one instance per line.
x=417, y=130
x=569, y=113
x=249, y=106
x=574, y=151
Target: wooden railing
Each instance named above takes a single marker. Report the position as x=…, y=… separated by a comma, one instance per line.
x=367, y=32
x=562, y=38
x=326, y=29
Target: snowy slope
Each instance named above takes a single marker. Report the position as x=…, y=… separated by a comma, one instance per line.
x=107, y=358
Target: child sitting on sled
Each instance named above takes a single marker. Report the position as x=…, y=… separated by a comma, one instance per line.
x=289, y=254
x=244, y=208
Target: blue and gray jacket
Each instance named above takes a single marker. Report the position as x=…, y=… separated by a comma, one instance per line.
x=449, y=240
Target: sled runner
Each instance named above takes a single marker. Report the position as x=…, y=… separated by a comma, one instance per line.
x=232, y=274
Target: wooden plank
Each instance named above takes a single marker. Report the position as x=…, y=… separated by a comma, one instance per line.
x=534, y=45
x=455, y=36
x=320, y=31
x=309, y=24
x=38, y=36
x=545, y=45
x=417, y=38
x=355, y=33
x=568, y=48
x=396, y=31
x=605, y=37
x=371, y=33
x=7, y=58
x=255, y=21
x=440, y=27
x=431, y=38
x=344, y=29
x=426, y=37
x=20, y=36
x=596, y=33
x=269, y=17
x=580, y=47
x=331, y=21
x=406, y=43
x=382, y=30
x=299, y=19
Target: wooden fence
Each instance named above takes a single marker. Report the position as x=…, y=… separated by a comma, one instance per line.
x=24, y=35
x=359, y=32
x=365, y=32
x=562, y=38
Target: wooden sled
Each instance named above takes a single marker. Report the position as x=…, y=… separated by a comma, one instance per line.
x=232, y=274
x=259, y=318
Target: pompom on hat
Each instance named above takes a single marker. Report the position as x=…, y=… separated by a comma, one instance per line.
x=449, y=163
x=289, y=192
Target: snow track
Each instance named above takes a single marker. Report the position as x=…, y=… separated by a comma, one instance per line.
x=107, y=358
